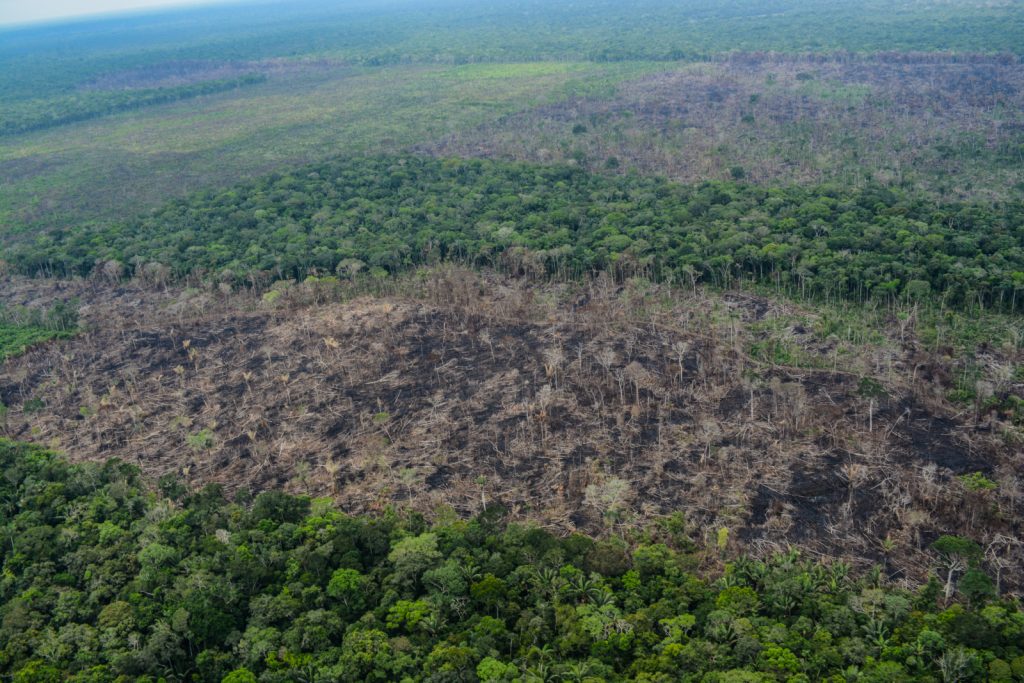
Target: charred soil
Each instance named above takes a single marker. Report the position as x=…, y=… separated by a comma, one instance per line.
x=582, y=406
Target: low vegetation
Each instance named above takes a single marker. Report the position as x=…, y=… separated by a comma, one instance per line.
x=22, y=328
x=947, y=125
x=36, y=115
x=123, y=165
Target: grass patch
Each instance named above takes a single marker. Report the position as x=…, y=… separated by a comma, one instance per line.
x=134, y=161
x=837, y=91
x=17, y=339
x=476, y=72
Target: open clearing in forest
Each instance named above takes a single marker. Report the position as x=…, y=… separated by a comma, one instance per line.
x=950, y=125
x=585, y=407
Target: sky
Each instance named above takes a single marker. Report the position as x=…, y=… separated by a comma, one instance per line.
x=24, y=11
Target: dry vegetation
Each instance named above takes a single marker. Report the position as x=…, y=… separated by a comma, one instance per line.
x=585, y=406
x=951, y=124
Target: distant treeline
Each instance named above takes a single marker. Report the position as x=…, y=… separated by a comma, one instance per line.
x=52, y=60
x=385, y=214
x=30, y=115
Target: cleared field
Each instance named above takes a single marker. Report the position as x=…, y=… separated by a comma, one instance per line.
x=950, y=125
x=580, y=406
x=111, y=167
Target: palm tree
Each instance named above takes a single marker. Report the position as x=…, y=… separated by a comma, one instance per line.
x=576, y=672
x=584, y=588
x=547, y=580
x=602, y=597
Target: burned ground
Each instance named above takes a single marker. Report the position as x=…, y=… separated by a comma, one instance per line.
x=580, y=406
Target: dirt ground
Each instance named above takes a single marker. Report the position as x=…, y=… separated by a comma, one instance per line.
x=583, y=407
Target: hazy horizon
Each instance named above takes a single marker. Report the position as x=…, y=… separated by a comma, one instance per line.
x=17, y=12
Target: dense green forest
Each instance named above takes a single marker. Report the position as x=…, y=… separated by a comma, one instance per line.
x=105, y=579
x=384, y=214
